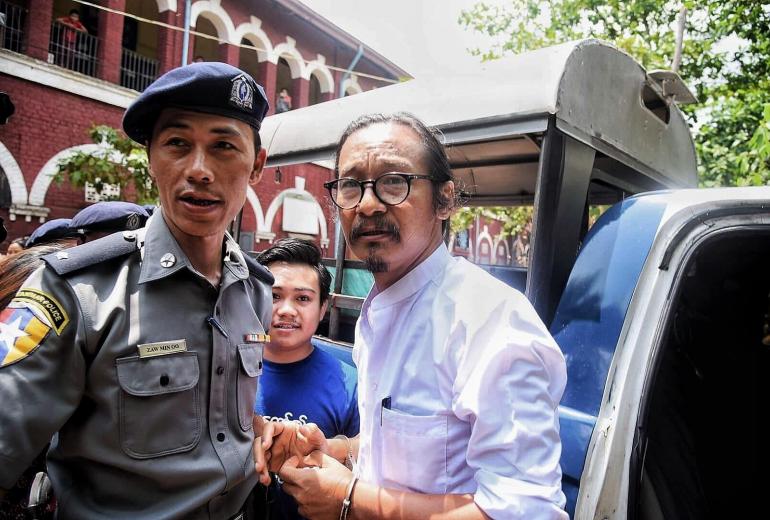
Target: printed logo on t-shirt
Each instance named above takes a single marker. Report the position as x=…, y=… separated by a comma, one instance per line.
x=288, y=417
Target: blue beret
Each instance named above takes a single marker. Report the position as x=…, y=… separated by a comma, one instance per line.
x=210, y=87
x=52, y=230
x=110, y=216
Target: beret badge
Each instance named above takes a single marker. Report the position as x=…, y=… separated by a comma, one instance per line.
x=242, y=93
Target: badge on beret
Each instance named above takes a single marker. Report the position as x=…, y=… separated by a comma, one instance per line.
x=21, y=332
x=133, y=221
x=242, y=93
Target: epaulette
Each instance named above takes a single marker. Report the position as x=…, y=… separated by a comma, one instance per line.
x=91, y=253
x=258, y=271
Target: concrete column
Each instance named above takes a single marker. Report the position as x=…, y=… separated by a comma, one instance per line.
x=268, y=74
x=169, y=42
x=37, y=28
x=110, y=41
x=300, y=93
x=229, y=54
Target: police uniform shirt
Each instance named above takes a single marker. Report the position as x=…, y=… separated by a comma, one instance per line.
x=144, y=370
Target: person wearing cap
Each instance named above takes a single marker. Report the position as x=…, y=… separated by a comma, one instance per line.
x=56, y=230
x=142, y=350
x=104, y=218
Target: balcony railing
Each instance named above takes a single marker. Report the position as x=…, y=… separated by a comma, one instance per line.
x=137, y=71
x=73, y=49
x=11, y=26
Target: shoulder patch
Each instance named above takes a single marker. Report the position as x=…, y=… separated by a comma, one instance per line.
x=259, y=271
x=91, y=253
x=46, y=304
x=21, y=332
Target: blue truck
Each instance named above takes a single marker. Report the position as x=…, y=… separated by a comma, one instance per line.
x=661, y=306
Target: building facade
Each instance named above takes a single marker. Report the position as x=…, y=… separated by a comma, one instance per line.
x=65, y=75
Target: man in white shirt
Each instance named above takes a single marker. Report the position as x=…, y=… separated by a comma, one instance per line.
x=459, y=380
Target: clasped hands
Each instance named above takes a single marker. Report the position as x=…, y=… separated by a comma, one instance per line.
x=299, y=454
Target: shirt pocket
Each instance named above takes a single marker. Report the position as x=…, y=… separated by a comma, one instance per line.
x=250, y=356
x=159, y=404
x=413, y=451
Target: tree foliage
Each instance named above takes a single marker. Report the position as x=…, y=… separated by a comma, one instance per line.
x=726, y=61
x=118, y=162
x=512, y=219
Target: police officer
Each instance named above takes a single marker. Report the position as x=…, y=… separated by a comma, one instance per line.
x=143, y=349
x=56, y=230
x=104, y=218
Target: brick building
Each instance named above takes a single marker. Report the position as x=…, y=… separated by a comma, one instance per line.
x=63, y=80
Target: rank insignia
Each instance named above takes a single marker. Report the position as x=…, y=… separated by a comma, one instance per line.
x=21, y=332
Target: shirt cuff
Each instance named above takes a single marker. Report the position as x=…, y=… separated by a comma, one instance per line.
x=505, y=497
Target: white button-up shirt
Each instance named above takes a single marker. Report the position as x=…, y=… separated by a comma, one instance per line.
x=459, y=383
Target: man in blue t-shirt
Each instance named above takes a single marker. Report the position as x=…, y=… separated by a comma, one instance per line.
x=300, y=382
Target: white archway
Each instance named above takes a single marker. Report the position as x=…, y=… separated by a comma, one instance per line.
x=319, y=69
x=288, y=51
x=13, y=174
x=45, y=175
x=212, y=11
x=351, y=86
x=252, y=31
x=502, y=239
x=277, y=202
x=485, y=237
x=166, y=5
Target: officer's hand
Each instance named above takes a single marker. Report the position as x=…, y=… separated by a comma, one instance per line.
x=318, y=483
x=280, y=440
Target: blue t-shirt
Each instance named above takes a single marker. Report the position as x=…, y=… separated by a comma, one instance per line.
x=320, y=389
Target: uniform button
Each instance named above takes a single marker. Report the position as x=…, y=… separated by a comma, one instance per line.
x=221, y=437
x=220, y=371
x=164, y=379
x=260, y=365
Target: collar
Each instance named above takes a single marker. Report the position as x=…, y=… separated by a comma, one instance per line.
x=425, y=272
x=162, y=255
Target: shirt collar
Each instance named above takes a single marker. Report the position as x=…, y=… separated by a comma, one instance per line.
x=425, y=272
x=163, y=256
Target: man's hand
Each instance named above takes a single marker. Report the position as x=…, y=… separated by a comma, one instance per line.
x=318, y=483
x=274, y=442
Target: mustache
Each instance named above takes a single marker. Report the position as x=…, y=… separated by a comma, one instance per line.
x=378, y=224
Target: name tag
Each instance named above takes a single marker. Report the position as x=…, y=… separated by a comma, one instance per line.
x=161, y=348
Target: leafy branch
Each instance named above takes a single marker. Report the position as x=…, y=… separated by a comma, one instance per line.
x=119, y=161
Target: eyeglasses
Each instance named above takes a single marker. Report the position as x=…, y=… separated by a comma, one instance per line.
x=391, y=189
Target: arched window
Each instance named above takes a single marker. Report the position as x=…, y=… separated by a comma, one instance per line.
x=206, y=49
x=283, y=81
x=248, y=60
x=139, y=60
x=5, y=190
x=315, y=90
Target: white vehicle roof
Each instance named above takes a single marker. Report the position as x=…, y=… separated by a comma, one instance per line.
x=493, y=117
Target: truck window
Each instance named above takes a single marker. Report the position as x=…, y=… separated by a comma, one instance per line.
x=700, y=441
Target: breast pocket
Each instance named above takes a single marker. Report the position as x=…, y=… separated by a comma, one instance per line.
x=159, y=408
x=250, y=356
x=414, y=449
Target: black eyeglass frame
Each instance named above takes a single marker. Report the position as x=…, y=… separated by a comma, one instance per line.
x=408, y=177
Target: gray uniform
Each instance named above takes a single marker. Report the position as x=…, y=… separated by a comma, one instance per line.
x=145, y=372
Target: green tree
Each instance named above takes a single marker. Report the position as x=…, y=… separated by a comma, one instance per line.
x=733, y=86
x=119, y=161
